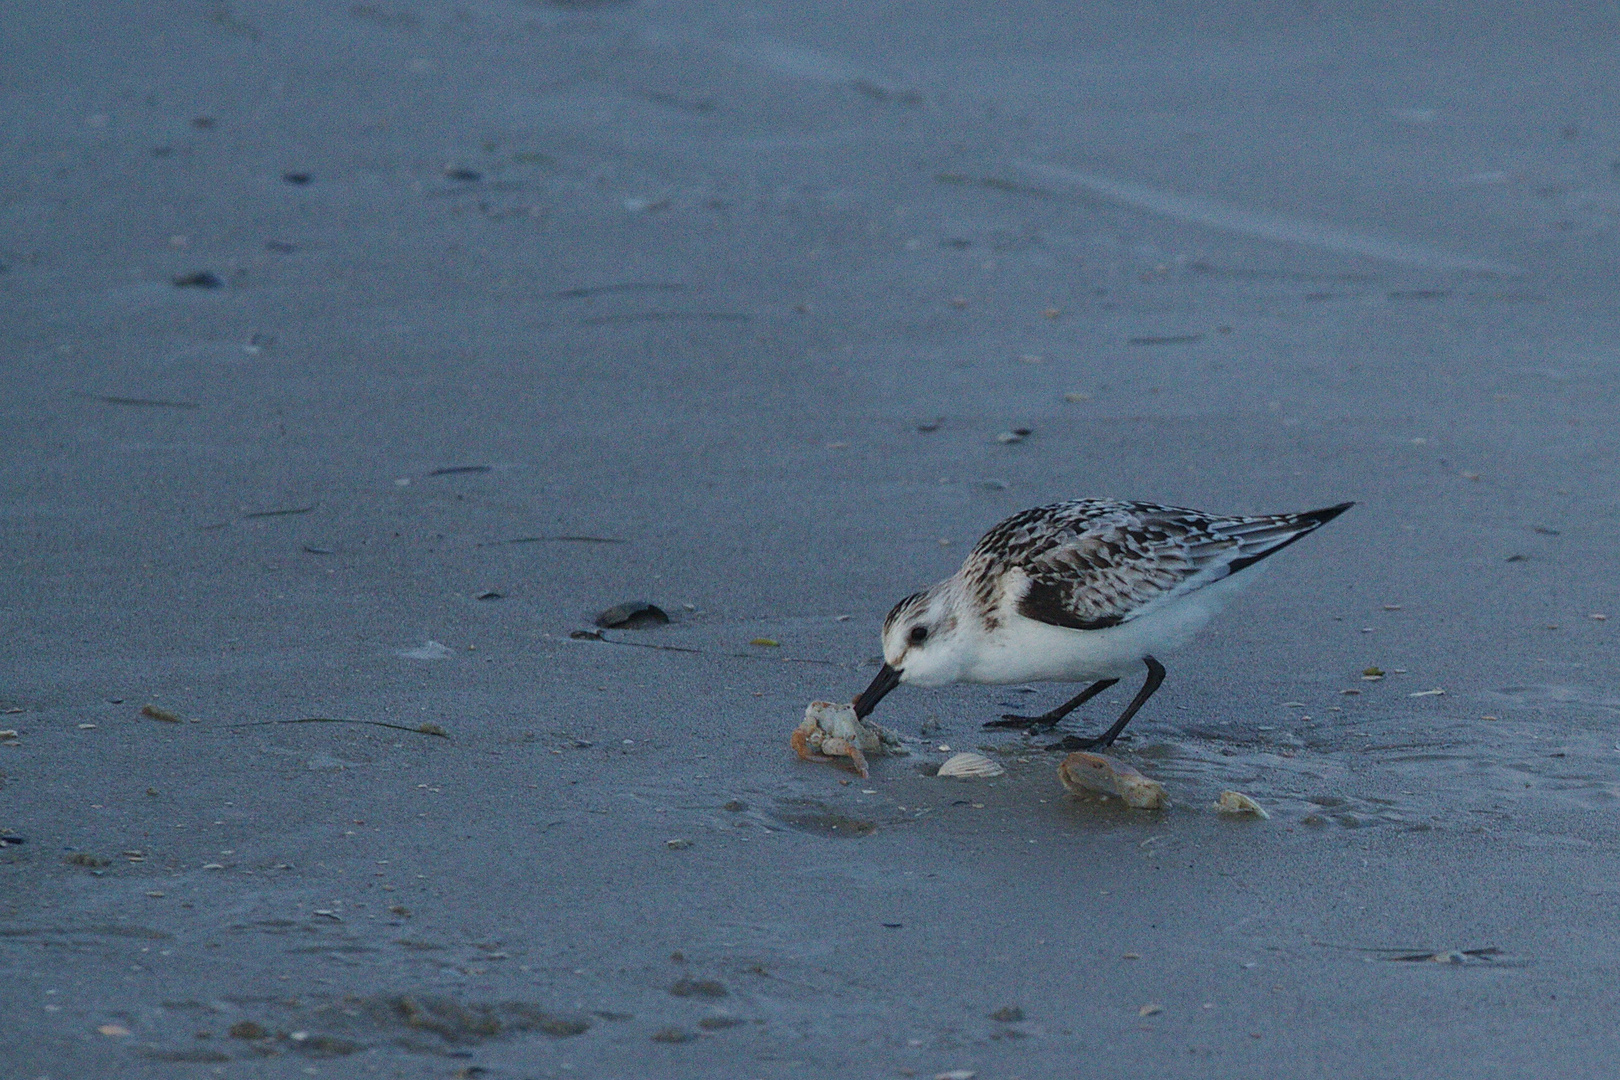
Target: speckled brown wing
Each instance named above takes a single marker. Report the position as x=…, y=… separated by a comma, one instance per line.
x=1092, y=564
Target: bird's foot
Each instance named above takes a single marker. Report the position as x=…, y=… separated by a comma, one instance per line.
x=1070, y=743
x=1028, y=723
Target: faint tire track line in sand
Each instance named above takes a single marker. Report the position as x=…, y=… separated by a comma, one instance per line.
x=1266, y=226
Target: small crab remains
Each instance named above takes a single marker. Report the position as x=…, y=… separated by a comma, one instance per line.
x=1087, y=774
x=829, y=731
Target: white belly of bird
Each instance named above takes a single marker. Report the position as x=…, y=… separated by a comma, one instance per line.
x=1023, y=650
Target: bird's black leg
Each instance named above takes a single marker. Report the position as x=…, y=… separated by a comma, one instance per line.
x=1155, y=676
x=1046, y=720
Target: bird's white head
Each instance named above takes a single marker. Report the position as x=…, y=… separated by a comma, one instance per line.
x=924, y=644
x=922, y=638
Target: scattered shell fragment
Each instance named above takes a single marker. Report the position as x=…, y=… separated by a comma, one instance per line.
x=1016, y=435
x=702, y=988
x=1082, y=772
x=677, y=844
x=1150, y=1010
x=1436, y=692
x=1235, y=802
x=831, y=731
x=114, y=1030
x=968, y=765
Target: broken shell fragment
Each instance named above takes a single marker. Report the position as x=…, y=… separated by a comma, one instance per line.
x=831, y=731
x=969, y=765
x=1235, y=802
x=1085, y=773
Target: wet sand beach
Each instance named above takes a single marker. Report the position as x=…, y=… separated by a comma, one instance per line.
x=358, y=356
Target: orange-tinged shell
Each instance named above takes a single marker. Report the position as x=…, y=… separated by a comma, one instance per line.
x=1085, y=773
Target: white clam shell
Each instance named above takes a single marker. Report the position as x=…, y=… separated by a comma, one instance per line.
x=967, y=765
x=1235, y=802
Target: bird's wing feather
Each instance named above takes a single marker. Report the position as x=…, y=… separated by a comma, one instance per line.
x=1092, y=564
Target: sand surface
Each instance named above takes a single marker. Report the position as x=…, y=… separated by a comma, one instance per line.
x=355, y=355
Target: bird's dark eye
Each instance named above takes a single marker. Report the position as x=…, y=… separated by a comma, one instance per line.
x=919, y=634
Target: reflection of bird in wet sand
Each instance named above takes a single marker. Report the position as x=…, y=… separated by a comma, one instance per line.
x=1077, y=591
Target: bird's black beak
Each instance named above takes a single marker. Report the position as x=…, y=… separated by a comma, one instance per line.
x=887, y=679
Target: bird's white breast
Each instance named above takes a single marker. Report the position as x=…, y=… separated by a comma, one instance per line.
x=1024, y=650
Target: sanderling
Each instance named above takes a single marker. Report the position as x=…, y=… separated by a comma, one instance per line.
x=1077, y=591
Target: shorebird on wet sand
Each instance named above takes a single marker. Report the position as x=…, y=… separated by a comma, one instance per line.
x=1078, y=591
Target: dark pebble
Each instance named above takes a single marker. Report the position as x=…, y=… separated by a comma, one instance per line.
x=561, y=1027
x=704, y=988
x=673, y=1035
x=198, y=279
x=632, y=615
x=718, y=1023
x=297, y=179
x=1008, y=1014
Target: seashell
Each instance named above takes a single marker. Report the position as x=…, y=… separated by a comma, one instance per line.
x=1082, y=772
x=968, y=765
x=1235, y=802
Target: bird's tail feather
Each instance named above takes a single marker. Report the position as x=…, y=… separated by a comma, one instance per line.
x=1262, y=536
